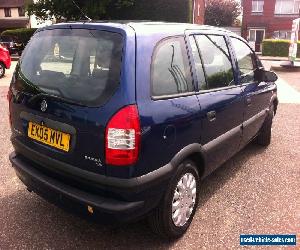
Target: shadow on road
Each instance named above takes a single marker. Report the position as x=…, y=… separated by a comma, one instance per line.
x=227, y=171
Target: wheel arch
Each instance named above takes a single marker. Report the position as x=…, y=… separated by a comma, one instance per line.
x=275, y=103
x=193, y=152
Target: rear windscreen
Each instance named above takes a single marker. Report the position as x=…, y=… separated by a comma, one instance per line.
x=80, y=65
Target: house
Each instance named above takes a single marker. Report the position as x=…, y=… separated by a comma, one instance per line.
x=198, y=11
x=36, y=23
x=12, y=14
x=268, y=19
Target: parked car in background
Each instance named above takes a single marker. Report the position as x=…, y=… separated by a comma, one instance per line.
x=5, y=60
x=13, y=45
x=124, y=120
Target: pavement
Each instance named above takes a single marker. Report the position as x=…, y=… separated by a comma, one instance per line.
x=256, y=192
x=5, y=80
x=275, y=58
x=288, y=83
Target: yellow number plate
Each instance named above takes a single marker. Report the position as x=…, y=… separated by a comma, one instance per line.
x=49, y=136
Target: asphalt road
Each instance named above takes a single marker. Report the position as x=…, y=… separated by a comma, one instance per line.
x=256, y=192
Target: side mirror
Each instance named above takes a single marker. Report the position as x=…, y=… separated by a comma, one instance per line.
x=266, y=76
x=269, y=76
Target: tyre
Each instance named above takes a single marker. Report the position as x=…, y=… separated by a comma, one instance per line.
x=2, y=69
x=176, y=210
x=265, y=133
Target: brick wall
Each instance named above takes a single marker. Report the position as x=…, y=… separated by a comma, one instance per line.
x=268, y=20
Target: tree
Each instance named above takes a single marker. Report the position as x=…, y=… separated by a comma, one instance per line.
x=67, y=10
x=221, y=12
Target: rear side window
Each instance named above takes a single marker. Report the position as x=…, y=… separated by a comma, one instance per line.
x=246, y=60
x=79, y=65
x=170, y=71
x=198, y=65
x=216, y=61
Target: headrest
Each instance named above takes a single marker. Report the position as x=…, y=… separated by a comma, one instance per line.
x=103, y=57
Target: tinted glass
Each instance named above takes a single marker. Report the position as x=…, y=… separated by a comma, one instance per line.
x=216, y=60
x=6, y=39
x=198, y=65
x=245, y=58
x=170, y=68
x=81, y=65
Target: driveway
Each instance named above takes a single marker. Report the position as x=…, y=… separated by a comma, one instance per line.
x=256, y=192
x=4, y=81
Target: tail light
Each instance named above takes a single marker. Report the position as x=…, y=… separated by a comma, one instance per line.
x=123, y=134
x=9, y=97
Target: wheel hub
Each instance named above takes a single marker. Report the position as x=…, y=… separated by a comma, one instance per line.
x=184, y=199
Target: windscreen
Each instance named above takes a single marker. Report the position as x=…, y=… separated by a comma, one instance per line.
x=6, y=39
x=83, y=66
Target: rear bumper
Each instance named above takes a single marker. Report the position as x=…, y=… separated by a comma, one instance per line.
x=77, y=199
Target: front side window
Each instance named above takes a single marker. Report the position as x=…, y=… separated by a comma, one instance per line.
x=7, y=12
x=76, y=64
x=257, y=6
x=170, y=68
x=246, y=60
x=216, y=61
x=287, y=7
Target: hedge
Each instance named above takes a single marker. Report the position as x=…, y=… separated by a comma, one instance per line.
x=158, y=10
x=272, y=47
x=23, y=34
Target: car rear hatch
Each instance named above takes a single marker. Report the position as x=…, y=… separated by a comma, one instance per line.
x=68, y=84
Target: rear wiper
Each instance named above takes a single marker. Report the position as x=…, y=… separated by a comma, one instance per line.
x=54, y=97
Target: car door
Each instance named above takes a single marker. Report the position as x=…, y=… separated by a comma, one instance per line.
x=169, y=108
x=219, y=96
x=256, y=95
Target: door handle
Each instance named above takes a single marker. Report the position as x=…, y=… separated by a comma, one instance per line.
x=211, y=116
x=248, y=101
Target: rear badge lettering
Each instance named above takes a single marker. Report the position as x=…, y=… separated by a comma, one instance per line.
x=95, y=160
x=44, y=106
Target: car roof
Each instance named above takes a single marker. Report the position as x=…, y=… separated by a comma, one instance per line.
x=166, y=27
x=144, y=27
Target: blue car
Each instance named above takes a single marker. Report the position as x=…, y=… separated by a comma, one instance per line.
x=124, y=120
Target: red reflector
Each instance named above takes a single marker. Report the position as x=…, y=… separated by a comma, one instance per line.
x=122, y=136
